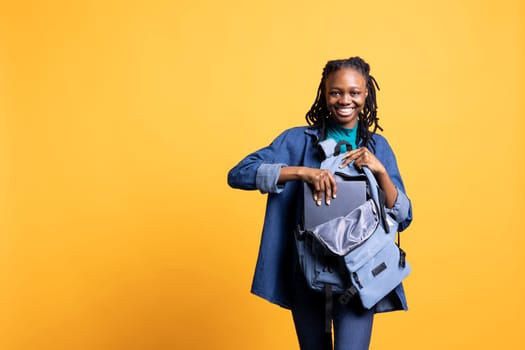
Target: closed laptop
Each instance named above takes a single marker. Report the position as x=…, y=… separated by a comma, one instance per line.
x=350, y=195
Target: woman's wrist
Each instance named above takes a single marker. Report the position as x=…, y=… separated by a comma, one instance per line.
x=388, y=187
x=291, y=173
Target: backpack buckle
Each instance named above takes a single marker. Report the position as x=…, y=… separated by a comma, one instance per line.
x=402, y=258
x=347, y=295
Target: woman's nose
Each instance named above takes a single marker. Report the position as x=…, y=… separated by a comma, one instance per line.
x=344, y=99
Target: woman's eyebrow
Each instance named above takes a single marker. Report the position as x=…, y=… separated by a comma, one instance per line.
x=353, y=87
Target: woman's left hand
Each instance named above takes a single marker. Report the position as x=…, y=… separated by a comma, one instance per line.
x=363, y=157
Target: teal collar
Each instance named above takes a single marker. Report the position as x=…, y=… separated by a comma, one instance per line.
x=339, y=133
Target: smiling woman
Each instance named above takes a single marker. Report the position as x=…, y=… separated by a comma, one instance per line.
x=346, y=96
x=344, y=110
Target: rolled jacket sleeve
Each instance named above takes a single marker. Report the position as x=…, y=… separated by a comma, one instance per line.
x=401, y=209
x=260, y=170
x=267, y=178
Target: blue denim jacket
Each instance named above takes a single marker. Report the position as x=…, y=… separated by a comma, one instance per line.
x=276, y=263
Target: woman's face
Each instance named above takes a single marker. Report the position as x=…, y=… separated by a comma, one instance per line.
x=346, y=93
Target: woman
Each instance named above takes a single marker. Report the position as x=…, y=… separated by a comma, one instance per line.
x=345, y=109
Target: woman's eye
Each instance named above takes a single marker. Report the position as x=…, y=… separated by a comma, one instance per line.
x=335, y=93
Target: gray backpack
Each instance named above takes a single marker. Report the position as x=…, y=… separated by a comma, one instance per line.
x=354, y=255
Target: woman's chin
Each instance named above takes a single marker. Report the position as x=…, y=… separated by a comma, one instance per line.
x=345, y=121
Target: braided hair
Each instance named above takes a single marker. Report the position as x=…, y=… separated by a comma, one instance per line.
x=318, y=115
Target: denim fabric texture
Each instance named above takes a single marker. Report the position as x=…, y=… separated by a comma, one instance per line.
x=277, y=259
x=352, y=324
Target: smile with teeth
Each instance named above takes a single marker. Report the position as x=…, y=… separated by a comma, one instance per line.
x=345, y=111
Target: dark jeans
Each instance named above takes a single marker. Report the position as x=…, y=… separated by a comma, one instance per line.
x=352, y=324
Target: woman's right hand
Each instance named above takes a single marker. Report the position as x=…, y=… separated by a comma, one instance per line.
x=323, y=184
x=322, y=181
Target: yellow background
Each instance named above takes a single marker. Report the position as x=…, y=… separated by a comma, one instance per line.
x=120, y=120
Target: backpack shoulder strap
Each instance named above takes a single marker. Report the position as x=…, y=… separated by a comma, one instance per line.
x=327, y=147
x=330, y=148
x=378, y=196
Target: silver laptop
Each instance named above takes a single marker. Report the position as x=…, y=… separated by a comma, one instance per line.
x=350, y=195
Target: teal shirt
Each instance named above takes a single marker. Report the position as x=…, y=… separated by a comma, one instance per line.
x=338, y=133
